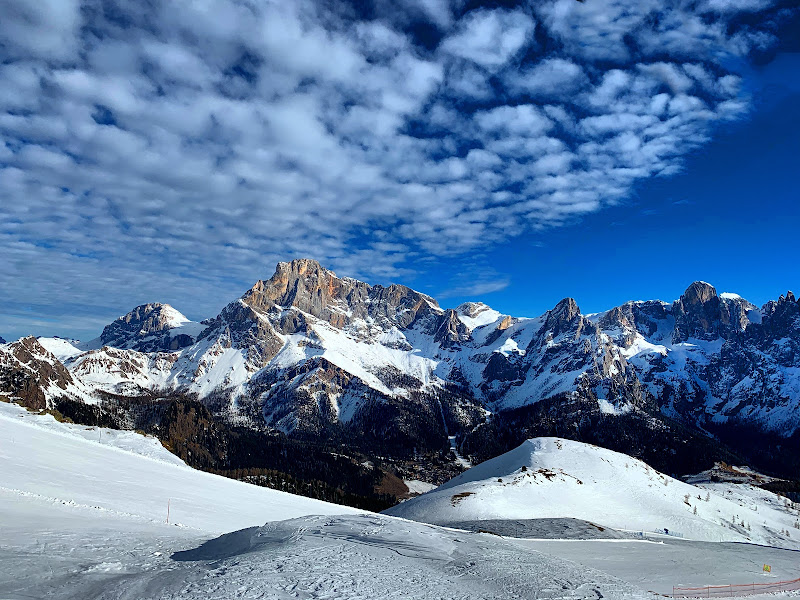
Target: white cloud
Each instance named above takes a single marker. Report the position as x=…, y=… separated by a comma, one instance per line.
x=176, y=150
x=525, y=119
x=733, y=6
x=43, y=29
x=554, y=78
x=490, y=38
x=476, y=290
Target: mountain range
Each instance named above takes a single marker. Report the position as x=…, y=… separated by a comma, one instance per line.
x=307, y=355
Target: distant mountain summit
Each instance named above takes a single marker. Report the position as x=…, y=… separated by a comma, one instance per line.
x=151, y=328
x=386, y=369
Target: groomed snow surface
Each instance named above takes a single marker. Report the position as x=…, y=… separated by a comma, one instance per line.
x=84, y=514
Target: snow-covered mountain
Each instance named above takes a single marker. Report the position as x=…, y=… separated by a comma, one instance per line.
x=558, y=478
x=151, y=328
x=318, y=356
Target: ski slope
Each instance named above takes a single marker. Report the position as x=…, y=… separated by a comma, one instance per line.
x=84, y=517
x=131, y=476
x=556, y=478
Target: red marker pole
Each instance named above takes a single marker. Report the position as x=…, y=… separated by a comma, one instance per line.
x=168, y=510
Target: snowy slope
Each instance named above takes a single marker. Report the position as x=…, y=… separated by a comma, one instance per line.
x=129, y=441
x=84, y=519
x=61, y=348
x=552, y=477
x=51, y=464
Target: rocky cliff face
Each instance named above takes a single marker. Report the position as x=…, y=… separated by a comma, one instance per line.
x=701, y=314
x=308, y=287
x=31, y=374
x=317, y=356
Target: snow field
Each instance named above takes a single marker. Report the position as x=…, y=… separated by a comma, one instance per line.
x=554, y=478
x=128, y=476
x=84, y=519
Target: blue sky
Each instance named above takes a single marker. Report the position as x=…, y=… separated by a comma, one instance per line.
x=512, y=152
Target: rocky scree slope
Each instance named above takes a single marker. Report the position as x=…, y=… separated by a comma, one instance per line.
x=316, y=356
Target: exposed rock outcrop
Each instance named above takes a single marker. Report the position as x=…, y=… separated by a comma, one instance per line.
x=32, y=374
x=305, y=285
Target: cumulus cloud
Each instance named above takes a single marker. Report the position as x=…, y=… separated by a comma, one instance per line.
x=554, y=78
x=176, y=150
x=490, y=38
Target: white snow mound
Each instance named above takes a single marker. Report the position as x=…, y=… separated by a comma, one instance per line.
x=555, y=478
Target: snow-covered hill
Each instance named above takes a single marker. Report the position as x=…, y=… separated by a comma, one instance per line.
x=129, y=476
x=84, y=516
x=553, y=477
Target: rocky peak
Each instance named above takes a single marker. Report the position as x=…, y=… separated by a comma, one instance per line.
x=566, y=310
x=29, y=349
x=698, y=292
x=28, y=370
x=620, y=323
x=451, y=331
x=781, y=315
x=146, y=319
x=304, y=284
x=643, y=316
x=146, y=328
x=561, y=316
x=699, y=314
x=472, y=309
x=619, y=316
x=2, y=341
